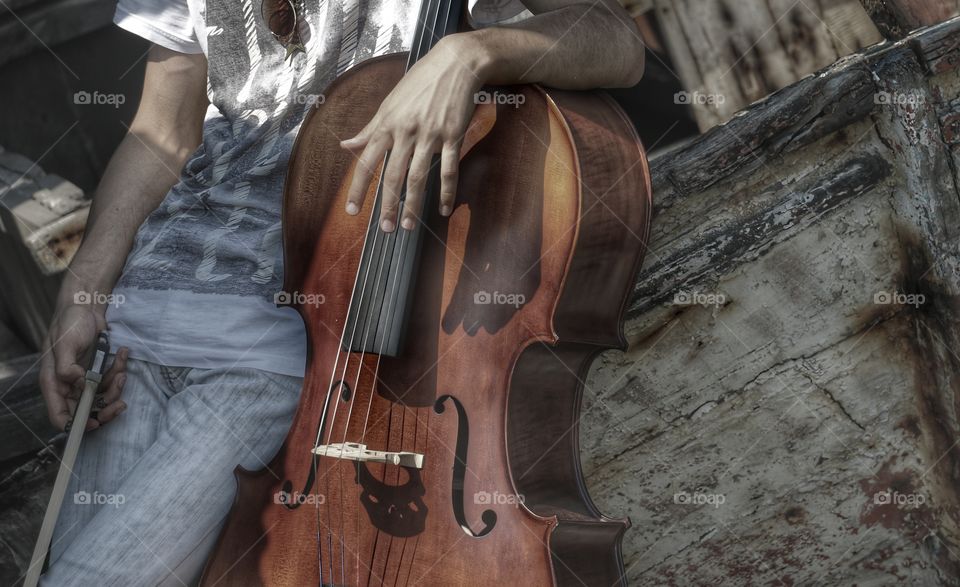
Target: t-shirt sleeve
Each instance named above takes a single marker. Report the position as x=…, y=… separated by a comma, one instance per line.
x=490, y=12
x=164, y=22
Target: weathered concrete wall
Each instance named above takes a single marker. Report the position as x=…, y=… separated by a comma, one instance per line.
x=787, y=410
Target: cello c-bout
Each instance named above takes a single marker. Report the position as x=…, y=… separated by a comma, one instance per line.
x=436, y=440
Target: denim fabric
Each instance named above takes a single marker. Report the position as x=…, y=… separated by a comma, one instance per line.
x=152, y=488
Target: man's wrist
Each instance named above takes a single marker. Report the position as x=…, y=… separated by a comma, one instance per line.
x=476, y=52
x=82, y=285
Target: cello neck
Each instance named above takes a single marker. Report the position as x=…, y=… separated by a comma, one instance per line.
x=383, y=291
x=437, y=19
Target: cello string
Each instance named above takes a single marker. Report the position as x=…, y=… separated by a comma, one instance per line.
x=343, y=375
x=332, y=421
x=329, y=423
x=326, y=423
x=356, y=386
x=403, y=238
x=344, y=378
x=416, y=430
x=376, y=373
x=419, y=47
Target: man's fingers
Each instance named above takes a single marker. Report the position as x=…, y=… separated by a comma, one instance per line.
x=58, y=410
x=50, y=384
x=363, y=171
x=449, y=175
x=393, y=178
x=118, y=367
x=361, y=139
x=119, y=362
x=60, y=419
x=113, y=390
x=106, y=404
x=416, y=182
x=111, y=411
x=66, y=354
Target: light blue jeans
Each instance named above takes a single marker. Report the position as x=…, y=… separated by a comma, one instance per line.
x=152, y=488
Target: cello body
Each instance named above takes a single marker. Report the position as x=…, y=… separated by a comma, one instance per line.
x=515, y=294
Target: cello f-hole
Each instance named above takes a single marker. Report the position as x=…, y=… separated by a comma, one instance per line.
x=489, y=517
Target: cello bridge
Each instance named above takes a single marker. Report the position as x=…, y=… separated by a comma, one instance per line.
x=352, y=451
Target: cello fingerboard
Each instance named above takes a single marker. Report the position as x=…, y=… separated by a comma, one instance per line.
x=376, y=322
x=383, y=290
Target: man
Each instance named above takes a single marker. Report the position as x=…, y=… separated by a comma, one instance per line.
x=185, y=233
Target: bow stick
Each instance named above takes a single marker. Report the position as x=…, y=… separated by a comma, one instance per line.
x=91, y=383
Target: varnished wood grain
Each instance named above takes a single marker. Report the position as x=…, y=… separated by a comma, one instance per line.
x=528, y=221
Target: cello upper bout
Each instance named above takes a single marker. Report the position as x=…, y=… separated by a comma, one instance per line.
x=484, y=117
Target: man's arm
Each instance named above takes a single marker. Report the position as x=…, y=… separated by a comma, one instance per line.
x=566, y=45
x=165, y=130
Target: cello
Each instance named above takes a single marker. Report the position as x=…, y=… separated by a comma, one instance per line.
x=436, y=439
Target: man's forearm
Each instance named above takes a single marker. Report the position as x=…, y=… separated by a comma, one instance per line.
x=147, y=163
x=133, y=185
x=576, y=47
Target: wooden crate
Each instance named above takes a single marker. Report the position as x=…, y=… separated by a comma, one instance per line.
x=42, y=217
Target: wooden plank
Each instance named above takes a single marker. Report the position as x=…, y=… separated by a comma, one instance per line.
x=729, y=55
x=896, y=18
x=786, y=412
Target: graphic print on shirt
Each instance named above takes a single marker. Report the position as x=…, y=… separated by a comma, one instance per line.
x=218, y=229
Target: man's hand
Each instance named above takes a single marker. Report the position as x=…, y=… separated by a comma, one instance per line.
x=566, y=45
x=426, y=113
x=161, y=136
x=72, y=333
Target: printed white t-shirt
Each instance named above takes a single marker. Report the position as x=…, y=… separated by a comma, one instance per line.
x=198, y=288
